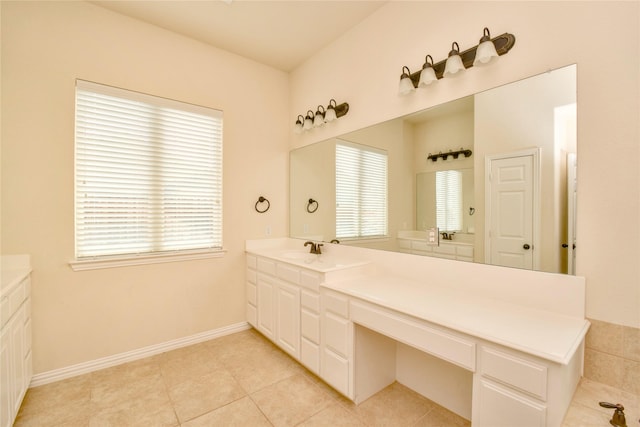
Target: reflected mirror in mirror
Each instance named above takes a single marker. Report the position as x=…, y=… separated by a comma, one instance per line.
x=510, y=202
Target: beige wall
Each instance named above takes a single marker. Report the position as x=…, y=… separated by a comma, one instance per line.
x=364, y=66
x=82, y=316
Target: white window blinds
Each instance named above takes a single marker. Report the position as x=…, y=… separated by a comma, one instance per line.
x=148, y=174
x=361, y=191
x=449, y=200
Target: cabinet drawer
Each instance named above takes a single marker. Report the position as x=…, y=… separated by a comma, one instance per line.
x=310, y=301
x=518, y=373
x=335, y=371
x=310, y=355
x=445, y=249
x=500, y=407
x=421, y=336
x=251, y=261
x=310, y=326
x=420, y=245
x=266, y=266
x=336, y=333
x=251, y=293
x=404, y=244
x=251, y=276
x=288, y=273
x=336, y=303
x=465, y=251
x=310, y=280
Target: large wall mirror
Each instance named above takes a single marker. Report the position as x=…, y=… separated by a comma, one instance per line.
x=494, y=172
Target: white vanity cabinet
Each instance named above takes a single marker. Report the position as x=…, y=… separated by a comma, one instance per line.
x=336, y=354
x=15, y=347
x=283, y=304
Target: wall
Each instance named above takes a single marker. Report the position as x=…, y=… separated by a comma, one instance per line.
x=402, y=33
x=82, y=316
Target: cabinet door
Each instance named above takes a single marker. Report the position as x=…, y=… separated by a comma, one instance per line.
x=288, y=318
x=497, y=406
x=6, y=380
x=266, y=305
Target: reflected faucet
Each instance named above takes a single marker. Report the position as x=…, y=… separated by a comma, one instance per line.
x=447, y=236
x=316, y=248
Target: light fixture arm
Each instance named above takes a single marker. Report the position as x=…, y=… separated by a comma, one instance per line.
x=503, y=44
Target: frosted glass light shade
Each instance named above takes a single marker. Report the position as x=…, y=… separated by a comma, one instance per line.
x=330, y=115
x=485, y=53
x=297, y=129
x=308, y=123
x=453, y=66
x=427, y=76
x=318, y=120
x=406, y=84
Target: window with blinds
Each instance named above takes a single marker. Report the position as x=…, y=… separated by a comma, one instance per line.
x=449, y=200
x=361, y=191
x=148, y=174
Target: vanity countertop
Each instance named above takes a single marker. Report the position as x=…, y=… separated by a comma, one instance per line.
x=14, y=269
x=545, y=334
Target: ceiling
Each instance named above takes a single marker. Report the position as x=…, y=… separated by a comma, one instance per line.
x=281, y=34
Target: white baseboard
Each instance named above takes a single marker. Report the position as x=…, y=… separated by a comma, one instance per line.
x=129, y=356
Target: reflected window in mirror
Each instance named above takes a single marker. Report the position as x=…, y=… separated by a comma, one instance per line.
x=449, y=200
x=361, y=191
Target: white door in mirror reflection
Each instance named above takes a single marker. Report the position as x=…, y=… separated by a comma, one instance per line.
x=511, y=211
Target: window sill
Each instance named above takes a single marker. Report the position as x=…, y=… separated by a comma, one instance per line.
x=126, y=261
x=363, y=240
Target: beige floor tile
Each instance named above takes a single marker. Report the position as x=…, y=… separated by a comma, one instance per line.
x=441, y=417
x=260, y=369
x=291, y=401
x=191, y=365
x=241, y=413
x=200, y=395
x=68, y=415
x=130, y=371
x=113, y=391
x=335, y=416
x=392, y=406
x=66, y=393
x=150, y=410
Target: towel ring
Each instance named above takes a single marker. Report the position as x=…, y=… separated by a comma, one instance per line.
x=262, y=200
x=310, y=206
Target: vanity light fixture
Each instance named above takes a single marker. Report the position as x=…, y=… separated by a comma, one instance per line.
x=308, y=121
x=486, y=51
x=428, y=74
x=454, y=62
x=321, y=116
x=481, y=54
x=298, y=126
x=454, y=154
x=406, y=84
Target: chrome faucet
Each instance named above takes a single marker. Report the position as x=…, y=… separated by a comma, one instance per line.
x=618, y=418
x=447, y=236
x=316, y=248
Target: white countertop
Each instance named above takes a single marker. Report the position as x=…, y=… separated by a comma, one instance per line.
x=14, y=268
x=545, y=334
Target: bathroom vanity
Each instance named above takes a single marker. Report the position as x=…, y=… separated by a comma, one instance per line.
x=15, y=335
x=501, y=347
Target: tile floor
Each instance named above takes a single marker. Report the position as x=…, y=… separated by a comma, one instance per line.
x=244, y=380
x=237, y=380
